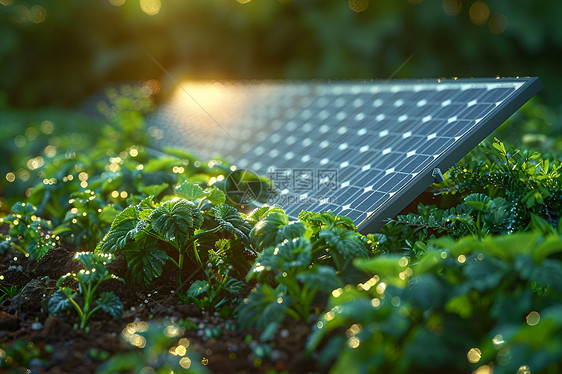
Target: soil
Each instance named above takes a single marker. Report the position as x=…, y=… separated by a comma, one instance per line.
x=64, y=349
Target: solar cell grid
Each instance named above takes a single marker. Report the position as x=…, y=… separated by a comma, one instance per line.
x=383, y=139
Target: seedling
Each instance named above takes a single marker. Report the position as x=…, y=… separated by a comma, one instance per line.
x=9, y=292
x=89, y=279
x=29, y=234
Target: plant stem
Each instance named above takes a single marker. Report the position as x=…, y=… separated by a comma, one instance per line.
x=14, y=245
x=180, y=267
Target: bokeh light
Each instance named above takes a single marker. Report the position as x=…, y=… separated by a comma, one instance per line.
x=533, y=318
x=479, y=13
x=497, y=23
x=358, y=5
x=151, y=7
x=452, y=7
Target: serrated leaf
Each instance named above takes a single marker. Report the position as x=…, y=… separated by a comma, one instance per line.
x=345, y=242
x=94, y=263
x=24, y=209
x=230, y=220
x=288, y=256
x=60, y=301
x=144, y=264
x=274, y=229
x=260, y=213
x=37, y=250
x=110, y=303
x=121, y=232
x=189, y=191
x=317, y=221
x=176, y=221
x=215, y=196
x=146, y=204
x=320, y=277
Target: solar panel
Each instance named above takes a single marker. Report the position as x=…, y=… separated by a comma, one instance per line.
x=361, y=149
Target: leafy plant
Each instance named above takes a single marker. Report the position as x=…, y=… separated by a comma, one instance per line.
x=87, y=221
x=89, y=279
x=297, y=263
x=9, y=292
x=219, y=291
x=527, y=181
x=461, y=306
x=29, y=234
x=150, y=234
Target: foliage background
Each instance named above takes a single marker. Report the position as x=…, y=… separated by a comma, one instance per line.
x=55, y=54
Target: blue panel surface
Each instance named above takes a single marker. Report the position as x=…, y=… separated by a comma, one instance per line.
x=361, y=149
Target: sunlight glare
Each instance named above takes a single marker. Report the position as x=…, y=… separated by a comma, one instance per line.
x=151, y=7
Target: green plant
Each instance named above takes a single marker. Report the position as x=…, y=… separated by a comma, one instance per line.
x=9, y=292
x=462, y=305
x=298, y=262
x=528, y=182
x=87, y=220
x=494, y=190
x=89, y=279
x=17, y=356
x=150, y=234
x=29, y=234
x=219, y=291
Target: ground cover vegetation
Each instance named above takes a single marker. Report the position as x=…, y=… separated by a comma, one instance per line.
x=124, y=258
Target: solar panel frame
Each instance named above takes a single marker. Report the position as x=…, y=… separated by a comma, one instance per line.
x=458, y=150
x=290, y=109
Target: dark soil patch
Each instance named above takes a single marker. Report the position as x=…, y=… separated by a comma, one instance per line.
x=61, y=348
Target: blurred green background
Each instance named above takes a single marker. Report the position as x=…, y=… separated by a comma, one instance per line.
x=55, y=53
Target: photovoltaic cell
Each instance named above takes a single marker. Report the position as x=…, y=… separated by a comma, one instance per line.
x=364, y=150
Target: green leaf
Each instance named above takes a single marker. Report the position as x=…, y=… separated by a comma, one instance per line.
x=460, y=305
x=274, y=229
x=317, y=221
x=215, y=195
x=154, y=189
x=389, y=267
x=24, y=209
x=122, y=231
x=478, y=201
x=263, y=306
x=230, y=220
x=260, y=213
x=176, y=221
x=347, y=243
x=485, y=273
x=108, y=214
x=61, y=229
x=499, y=146
x=60, y=301
x=288, y=256
x=110, y=303
x=320, y=277
x=197, y=288
x=189, y=191
x=144, y=264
